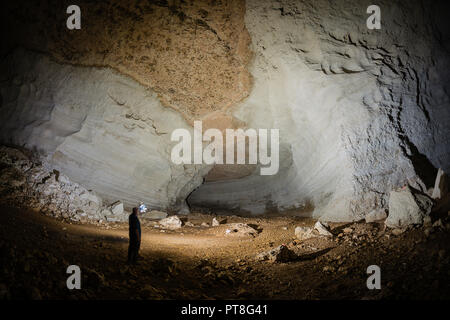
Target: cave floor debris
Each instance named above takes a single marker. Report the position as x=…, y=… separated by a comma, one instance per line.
x=198, y=262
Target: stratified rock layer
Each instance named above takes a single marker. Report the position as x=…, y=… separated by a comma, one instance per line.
x=193, y=54
x=103, y=130
x=360, y=111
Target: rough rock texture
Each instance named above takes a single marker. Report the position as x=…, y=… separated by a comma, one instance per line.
x=376, y=215
x=441, y=185
x=240, y=230
x=304, y=233
x=278, y=254
x=103, y=130
x=153, y=215
x=24, y=182
x=172, y=223
x=407, y=207
x=360, y=111
x=323, y=229
x=193, y=54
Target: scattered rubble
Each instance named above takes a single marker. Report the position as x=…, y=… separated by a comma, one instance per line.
x=25, y=182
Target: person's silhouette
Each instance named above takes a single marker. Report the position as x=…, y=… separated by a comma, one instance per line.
x=135, y=236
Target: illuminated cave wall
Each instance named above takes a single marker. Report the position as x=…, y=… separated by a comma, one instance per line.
x=360, y=111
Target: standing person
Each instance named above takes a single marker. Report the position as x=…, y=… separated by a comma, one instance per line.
x=135, y=236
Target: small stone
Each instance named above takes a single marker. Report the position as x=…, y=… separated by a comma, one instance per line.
x=303, y=233
x=397, y=232
x=215, y=222
x=348, y=230
x=323, y=229
x=427, y=221
x=438, y=224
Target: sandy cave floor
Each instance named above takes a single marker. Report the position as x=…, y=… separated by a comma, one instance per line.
x=204, y=263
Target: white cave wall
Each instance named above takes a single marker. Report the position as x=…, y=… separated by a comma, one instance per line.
x=349, y=103
x=101, y=129
x=360, y=112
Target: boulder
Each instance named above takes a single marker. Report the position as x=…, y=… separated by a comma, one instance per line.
x=172, y=223
x=323, y=229
x=303, y=233
x=240, y=229
x=278, y=254
x=91, y=197
x=376, y=215
x=441, y=185
x=154, y=215
x=117, y=208
x=407, y=208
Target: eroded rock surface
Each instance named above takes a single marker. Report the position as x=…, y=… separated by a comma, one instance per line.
x=360, y=112
x=193, y=54
x=102, y=130
x=407, y=207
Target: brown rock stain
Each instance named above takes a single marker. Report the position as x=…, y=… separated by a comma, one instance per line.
x=194, y=54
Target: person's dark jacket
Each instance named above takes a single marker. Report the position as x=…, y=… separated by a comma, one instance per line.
x=134, y=224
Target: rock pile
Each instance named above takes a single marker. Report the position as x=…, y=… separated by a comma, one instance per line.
x=26, y=182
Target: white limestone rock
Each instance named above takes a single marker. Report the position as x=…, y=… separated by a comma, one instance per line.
x=323, y=229
x=441, y=185
x=350, y=126
x=376, y=215
x=304, y=233
x=98, y=128
x=407, y=208
x=117, y=208
x=172, y=223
